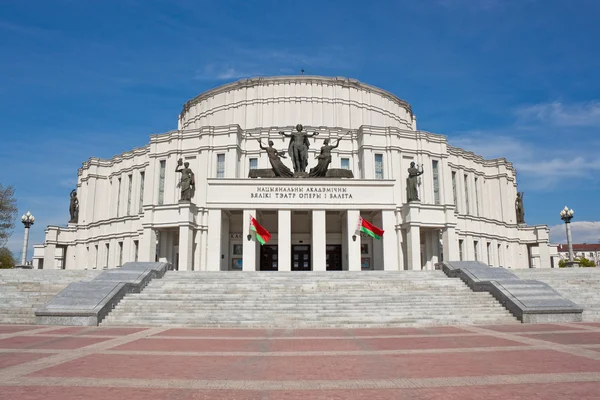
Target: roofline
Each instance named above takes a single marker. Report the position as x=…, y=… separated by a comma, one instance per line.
x=262, y=80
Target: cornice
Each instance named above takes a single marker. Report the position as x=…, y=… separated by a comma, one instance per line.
x=469, y=155
x=261, y=81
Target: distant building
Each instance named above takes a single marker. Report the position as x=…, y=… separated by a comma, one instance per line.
x=589, y=251
x=130, y=208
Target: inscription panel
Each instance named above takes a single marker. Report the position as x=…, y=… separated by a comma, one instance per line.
x=299, y=192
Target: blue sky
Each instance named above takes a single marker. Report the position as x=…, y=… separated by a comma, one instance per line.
x=515, y=79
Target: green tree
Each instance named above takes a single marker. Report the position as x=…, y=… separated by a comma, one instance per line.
x=6, y=258
x=8, y=212
x=583, y=262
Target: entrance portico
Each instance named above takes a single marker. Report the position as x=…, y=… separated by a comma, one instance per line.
x=313, y=225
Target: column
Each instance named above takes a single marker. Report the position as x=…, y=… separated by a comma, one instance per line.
x=353, y=240
x=147, y=246
x=284, y=242
x=249, y=247
x=428, y=250
x=435, y=247
x=213, y=248
x=377, y=245
x=49, y=256
x=389, y=240
x=450, y=244
x=318, y=240
x=186, y=245
x=544, y=255
x=225, y=244
x=413, y=247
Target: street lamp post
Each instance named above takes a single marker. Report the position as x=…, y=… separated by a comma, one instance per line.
x=567, y=215
x=27, y=220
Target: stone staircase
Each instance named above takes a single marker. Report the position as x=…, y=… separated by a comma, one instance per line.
x=307, y=299
x=22, y=291
x=580, y=285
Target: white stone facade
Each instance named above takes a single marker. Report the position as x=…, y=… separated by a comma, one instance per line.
x=130, y=209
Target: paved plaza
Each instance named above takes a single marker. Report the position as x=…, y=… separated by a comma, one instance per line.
x=559, y=361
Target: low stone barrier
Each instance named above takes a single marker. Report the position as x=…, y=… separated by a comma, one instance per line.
x=530, y=301
x=88, y=303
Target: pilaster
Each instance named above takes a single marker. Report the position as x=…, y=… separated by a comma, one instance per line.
x=353, y=240
x=389, y=241
x=213, y=248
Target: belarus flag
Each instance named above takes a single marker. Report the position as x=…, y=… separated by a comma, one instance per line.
x=370, y=229
x=262, y=235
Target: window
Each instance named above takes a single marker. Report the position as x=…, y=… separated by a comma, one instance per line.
x=253, y=163
x=436, y=182
x=466, y=193
x=129, y=187
x=460, y=250
x=107, y=254
x=220, y=165
x=96, y=257
x=136, y=248
x=477, y=196
x=378, y=166
x=142, y=178
x=120, y=254
x=489, y=254
x=345, y=163
x=161, y=182
x=119, y=197
x=475, y=252
x=500, y=255
x=454, y=196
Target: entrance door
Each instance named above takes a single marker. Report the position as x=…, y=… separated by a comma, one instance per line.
x=268, y=258
x=333, y=257
x=301, y=257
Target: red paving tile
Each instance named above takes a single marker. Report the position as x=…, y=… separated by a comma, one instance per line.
x=434, y=330
x=546, y=391
x=11, y=359
x=314, y=345
x=569, y=338
x=93, y=393
x=41, y=342
x=199, y=332
x=596, y=324
x=113, y=331
x=551, y=391
x=70, y=330
x=530, y=328
x=452, y=342
x=17, y=328
x=310, y=332
x=193, y=345
x=322, y=367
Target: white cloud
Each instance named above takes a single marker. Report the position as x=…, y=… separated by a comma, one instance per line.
x=557, y=113
x=581, y=232
x=221, y=72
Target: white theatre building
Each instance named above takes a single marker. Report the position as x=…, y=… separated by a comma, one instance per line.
x=130, y=208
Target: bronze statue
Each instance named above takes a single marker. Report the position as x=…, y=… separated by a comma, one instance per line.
x=188, y=182
x=411, y=182
x=320, y=170
x=298, y=148
x=519, y=208
x=74, y=207
x=278, y=167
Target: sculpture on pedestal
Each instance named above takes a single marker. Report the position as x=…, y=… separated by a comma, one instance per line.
x=278, y=167
x=320, y=170
x=74, y=207
x=187, y=183
x=298, y=147
x=412, y=181
x=519, y=208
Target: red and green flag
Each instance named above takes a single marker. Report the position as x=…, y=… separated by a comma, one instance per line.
x=370, y=229
x=262, y=235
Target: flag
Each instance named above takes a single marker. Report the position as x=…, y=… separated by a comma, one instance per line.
x=262, y=235
x=370, y=229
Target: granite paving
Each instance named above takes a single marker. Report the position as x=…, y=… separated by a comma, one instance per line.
x=528, y=361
